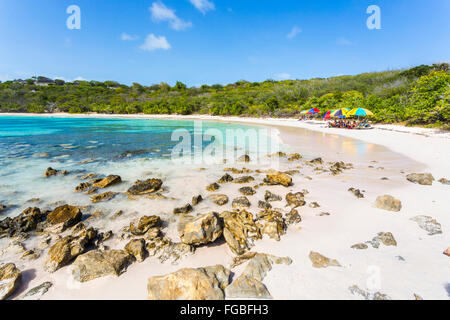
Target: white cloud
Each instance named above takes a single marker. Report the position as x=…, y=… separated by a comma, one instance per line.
x=295, y=31
x=203, y=5
x=344, y=42
x=161, y=13
x=154, y=43
x=283, y=76
x=128, y=37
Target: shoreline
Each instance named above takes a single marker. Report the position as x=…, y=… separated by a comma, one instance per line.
x=430, y=147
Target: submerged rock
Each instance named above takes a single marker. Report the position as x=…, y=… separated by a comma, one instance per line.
x=107, y=182
x=10, y=280
x=95, y=264
x=190, y=284
x=145, y=187
x=196, y=200
x=201, y=229
x=388, y=203
x=103, y=196
x=52, y=172
x=183, y=210
x=320, y=261
x=428, y=224
x=425, y=179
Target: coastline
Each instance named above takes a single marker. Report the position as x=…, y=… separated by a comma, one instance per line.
x=347, y=221
x=430, y=147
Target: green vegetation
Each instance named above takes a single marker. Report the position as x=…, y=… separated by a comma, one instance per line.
x=417, y=96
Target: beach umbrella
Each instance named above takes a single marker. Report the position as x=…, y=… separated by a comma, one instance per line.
x=304, y=112
x=359, y=112
x=340, y=113
x=328, y=115
x=313, y=111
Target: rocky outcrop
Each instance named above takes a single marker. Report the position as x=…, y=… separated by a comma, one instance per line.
x=219, y=199
x=213, y=187
x=106, y=196
x=388, y=203
x=225, y=178
x=196, y=200
x=65, y=215
x=201, y=229
x=241, y=203
x=425, y=179
x=356, y=192
x=67, y=249
x=428, y=224
x=295, y=200
x=249, y=284
x=293, y=217
x=95, y=264
x=140, y=226
x=37, y=292
x=278, y=178
x=190, y=284
x=136, y=248
x=244, y=179
x=240, y=230
x=145, y=187
x=271, y=222
x=10, y=280
x=247, y=191
x=183, y=210
x=320, y=261
x=27, y=221
x=109, y=181
x=53, y=172
x=269, y=196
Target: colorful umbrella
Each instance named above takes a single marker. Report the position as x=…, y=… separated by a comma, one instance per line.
x=359, y=112
x=328, y=115
x=340, y=113
x=304, y=112
x=312, y=111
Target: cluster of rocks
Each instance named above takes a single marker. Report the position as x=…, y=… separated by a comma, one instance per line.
x=385, y=238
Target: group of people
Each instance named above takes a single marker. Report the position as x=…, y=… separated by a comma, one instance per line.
x=348, y=124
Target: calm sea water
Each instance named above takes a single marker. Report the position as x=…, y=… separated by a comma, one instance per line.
x=100, y=139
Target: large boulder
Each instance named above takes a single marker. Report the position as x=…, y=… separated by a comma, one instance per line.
x=240, y=230
x=140, y=226
x=388, y=203
x=278, y=178
x=95, y=264
x=66, y=215
x=190, y=284
x=145, y=187
x=65, y=250
x=10, y=280
x=425, y=179
x=201, y=229
x=107, y=182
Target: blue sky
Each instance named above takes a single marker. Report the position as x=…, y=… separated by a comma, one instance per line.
x=217, y=41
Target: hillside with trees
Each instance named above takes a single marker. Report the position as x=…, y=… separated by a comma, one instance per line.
x=416, y=96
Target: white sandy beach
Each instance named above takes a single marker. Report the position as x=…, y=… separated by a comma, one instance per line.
x=416, y=265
